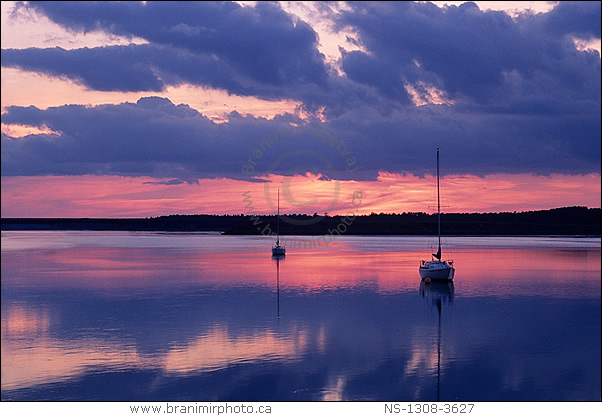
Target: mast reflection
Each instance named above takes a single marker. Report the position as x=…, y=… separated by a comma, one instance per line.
x=278, y=258
x=438, y=292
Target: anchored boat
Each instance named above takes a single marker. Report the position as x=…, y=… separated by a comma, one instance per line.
x=436, y=269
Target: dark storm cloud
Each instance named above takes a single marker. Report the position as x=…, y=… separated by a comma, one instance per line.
x=156, y=138
x=577, y=18
x=152, y=137
x=484, y=59
x=126, y=68
x=525, y=99
x=259, y=47
x=478, y=58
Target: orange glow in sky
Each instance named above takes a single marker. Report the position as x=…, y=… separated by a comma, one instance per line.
x=112, y=196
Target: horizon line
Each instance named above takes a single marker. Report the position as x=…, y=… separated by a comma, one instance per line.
x=308, y=214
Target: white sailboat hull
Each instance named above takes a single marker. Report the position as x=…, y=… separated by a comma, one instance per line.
x=437, y=271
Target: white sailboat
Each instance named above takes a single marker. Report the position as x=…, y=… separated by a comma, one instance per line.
x=278, y=250
x=436, y=269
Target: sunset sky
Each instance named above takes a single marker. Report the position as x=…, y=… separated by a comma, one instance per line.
x=137, y=109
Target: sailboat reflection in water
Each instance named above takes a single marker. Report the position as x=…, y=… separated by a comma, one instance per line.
x=439, y=292
x=278, y=258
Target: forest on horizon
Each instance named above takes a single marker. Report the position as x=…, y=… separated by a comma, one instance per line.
x=560, y=221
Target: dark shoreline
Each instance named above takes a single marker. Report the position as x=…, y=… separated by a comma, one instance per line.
x=567, y=221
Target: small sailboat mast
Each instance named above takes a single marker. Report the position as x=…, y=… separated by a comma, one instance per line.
x=278, y=250
x=438, y=254
x=278, y=222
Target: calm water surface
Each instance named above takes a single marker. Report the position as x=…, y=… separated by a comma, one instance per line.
x=117, y=316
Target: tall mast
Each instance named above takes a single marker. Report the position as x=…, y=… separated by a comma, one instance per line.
x=438, y=205
x=278, y=222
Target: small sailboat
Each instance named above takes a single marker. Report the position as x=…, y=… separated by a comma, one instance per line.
x=436, y=269
x=278, y=250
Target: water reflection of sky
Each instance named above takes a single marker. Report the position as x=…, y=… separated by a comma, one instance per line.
x=107, y=316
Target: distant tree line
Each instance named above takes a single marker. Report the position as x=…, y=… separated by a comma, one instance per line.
x=561, y=221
